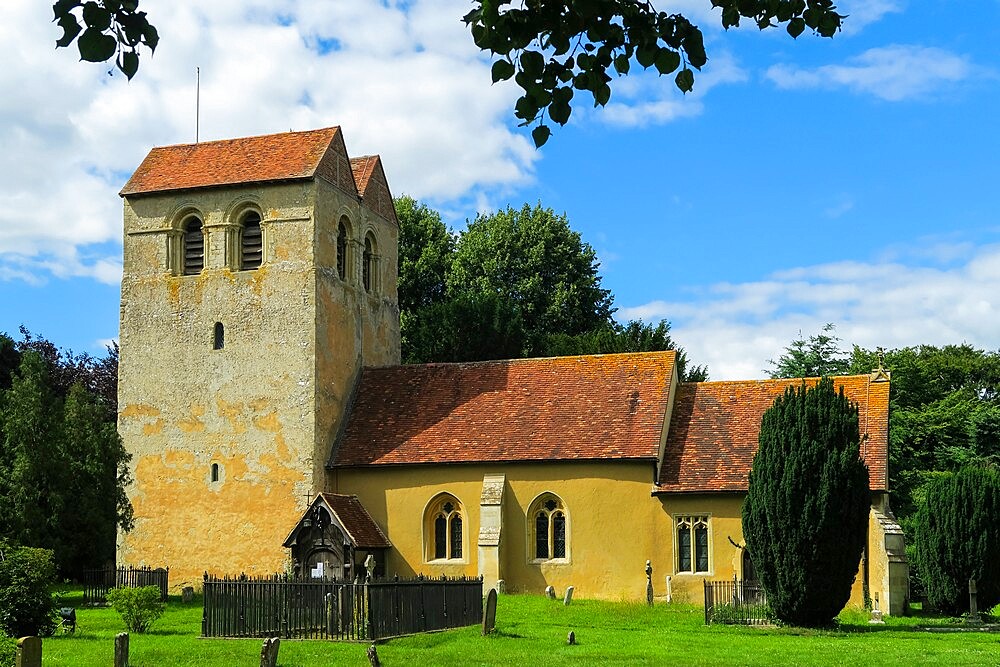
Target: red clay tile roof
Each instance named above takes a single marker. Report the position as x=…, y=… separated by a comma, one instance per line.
x=714, y=428
x=272, y=157
x=363, y=167
x=353, y=517
x=564, y=408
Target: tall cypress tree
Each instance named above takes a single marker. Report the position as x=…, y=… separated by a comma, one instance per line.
x=957, y=538
x=805, y=516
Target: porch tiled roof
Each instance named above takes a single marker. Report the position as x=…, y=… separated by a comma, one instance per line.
x=356, y=520
x=715, y=425
x=563, y=408
x=267, y=158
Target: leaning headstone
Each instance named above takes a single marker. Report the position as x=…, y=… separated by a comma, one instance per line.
x=569, y=596
x=501, y=586
x=187, y=594
x=121, y=649
x=649, y=583
x=490, y=613
x=550, y=592
x=571, y=638
x=269, y=652
x=29, y=652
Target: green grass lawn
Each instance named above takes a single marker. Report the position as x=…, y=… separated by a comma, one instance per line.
x=531, y=630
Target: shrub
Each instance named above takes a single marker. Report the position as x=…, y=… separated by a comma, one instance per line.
x=957, y=538
x=8, y=651
x=805, y=517
x=27, y=606
x=138, y=607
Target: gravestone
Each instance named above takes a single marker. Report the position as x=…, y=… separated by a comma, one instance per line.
x=490, y=613
x=501, y=586
x=876, y=618
x=649, y=583
x=550, y=592
x=369, y=568
x=121, y=649
x=373, y=656
x=569, y=596
x=973, y=605
x=29, y=652
x=571, y=638
x=670, y=589
x=187, y=594
x=269, y=652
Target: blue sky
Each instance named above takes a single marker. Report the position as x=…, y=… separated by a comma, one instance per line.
x=805, y=181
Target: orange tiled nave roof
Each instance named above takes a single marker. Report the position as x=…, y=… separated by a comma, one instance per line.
x=564, y=408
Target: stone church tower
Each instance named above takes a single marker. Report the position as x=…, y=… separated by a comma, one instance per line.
x=259, y=278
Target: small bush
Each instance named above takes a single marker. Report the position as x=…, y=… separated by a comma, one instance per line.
x=138, y=607
x=27, y=606
x=8, y=651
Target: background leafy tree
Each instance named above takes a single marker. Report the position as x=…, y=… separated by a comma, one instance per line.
x=27, y=606
x=516, y=283
x=805, y=516
x=816, y=356
x=63, y=468
x=957, y=538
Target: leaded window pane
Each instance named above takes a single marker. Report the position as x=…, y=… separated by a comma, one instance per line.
x=684, y=548
x=701, y=547
x=542, y=535
x=456, y=536
x=440, y=537
x=342, y=251
x=558, y=535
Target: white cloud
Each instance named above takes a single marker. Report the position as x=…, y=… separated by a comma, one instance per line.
x=737, y=328
x=862, y=13
x=891, y=73
x=645, y=98
x=403, y=80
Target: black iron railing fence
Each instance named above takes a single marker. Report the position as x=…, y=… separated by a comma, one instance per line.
x=97, y=583
x=736, y=602
x=281, y=606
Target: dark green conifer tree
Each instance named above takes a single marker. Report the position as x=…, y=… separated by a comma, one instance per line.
x=805, y=517
x=958, y=538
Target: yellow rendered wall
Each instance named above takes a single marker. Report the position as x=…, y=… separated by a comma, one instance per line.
x=614, y=526
x=265, y=406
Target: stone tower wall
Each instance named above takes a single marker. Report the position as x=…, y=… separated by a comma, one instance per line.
x=264, y=407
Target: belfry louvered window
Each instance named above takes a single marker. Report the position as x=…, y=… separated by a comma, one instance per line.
x=251, y=242
x=194, y=246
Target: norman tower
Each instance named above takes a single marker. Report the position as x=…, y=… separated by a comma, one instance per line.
x=259, y=277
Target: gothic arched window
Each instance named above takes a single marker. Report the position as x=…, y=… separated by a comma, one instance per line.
x=251, y=242
x=445, y=529
x=548, y=526
x=342, y=249
x=369, y=264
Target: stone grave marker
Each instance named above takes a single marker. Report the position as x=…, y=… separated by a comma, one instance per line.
x=269, y=652
x=550, y=592
x=571, y=638
x=649, y=583
x=121, y=649
x=29, y=652
x=490, y=612
x=670, y=589
x=569, y=596
x=187, y=594
x=876, y=618
x=501, y=586
x=974, y=618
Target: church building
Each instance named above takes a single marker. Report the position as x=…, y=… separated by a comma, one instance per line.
x=272, y=427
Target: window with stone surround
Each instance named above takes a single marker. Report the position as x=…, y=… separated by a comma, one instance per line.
x=342, y=236
x=548, y=526
x=193, y=242
x=369, y=264
x=251, y=242
x=692, y=544
x=444, y=529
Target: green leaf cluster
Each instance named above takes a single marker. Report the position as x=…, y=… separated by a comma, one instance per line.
x=805, y=516
x=553, y=49
x=514, y=283
x=957, y=538
x=816, y=356
x=106, y=29
x=63, y=468
x=138, y=607
x=27, y=605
